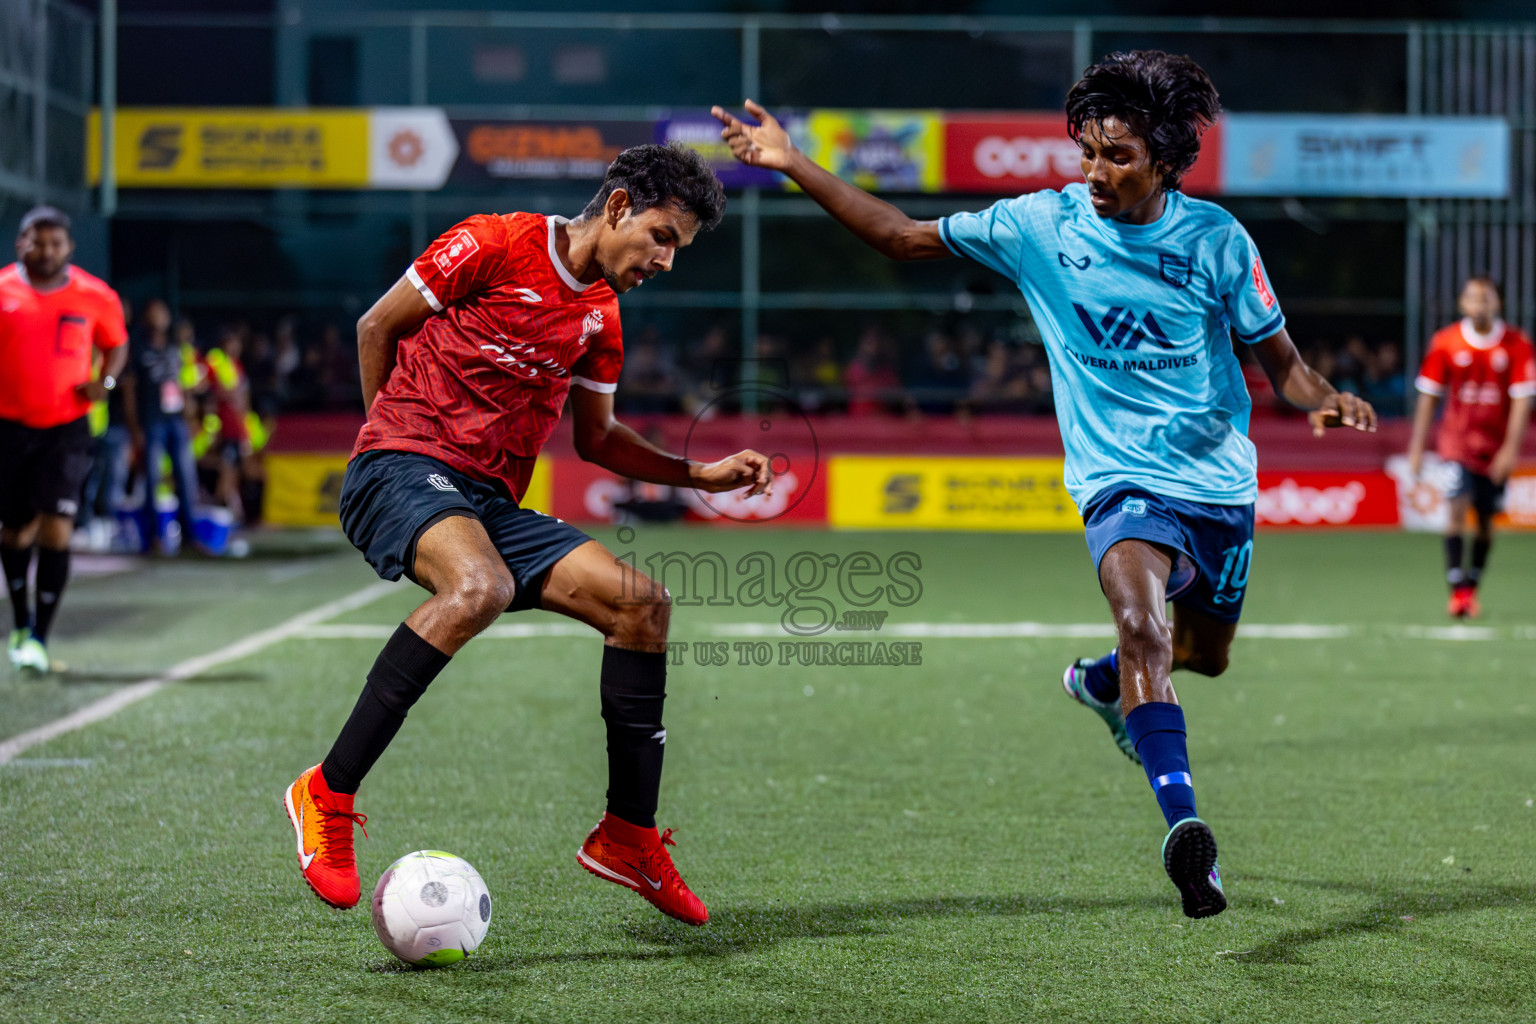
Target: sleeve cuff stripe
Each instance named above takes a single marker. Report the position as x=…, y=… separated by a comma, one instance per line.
x=1263, y=332
x=1429, y=387
x=1526, y=390
x=421, y=286
x=944, y=236
x=595, y=385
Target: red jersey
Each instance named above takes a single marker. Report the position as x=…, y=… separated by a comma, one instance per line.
x=481, y=384
x=48, y=342
x=1479, y=376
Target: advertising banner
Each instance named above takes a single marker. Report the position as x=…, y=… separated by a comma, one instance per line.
x=410, y=148
x=1012, y=153
x=1326, y=500
x=493, y=151
x=303, y=489
x=1520, y=500
x=1352, y=155
x=584, y=493
x=232, y=147
x=702, y=133
x=901, y=493
x=880, y=150
x=1425, y=508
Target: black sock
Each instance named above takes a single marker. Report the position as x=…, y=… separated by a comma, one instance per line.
x=634, y=688
x=16, y=562
x=1479, y=559
x=1453, y=571
x=52, y=574
x=400, y=675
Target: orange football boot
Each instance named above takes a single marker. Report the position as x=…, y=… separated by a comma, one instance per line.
x=637, y=858
x=323, y=821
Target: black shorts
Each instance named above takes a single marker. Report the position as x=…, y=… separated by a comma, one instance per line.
x=389, y=499
x=1487, y=497
x=42, y=470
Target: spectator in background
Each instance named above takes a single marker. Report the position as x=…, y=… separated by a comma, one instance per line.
x=155, y=407
x=106, y=487
x=818, y=377
x=941, y=377
x=650, y=381
x=286, y=359
x=261, y=372
x=871, y=381
x=339, y=370
x=230, y=394
x=1002, y=386
x=703, y=357
x=1385, y=383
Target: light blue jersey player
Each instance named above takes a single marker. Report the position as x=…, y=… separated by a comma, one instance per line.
x=1138, y=292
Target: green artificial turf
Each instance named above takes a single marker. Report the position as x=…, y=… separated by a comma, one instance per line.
x=954, y=840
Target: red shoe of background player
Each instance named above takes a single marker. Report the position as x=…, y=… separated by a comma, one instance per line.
x=637, y=857
x=1463, y=603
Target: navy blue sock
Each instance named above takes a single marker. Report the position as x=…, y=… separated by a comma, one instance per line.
x=1102, y=678
x=1454, y=574
x=1157, y=730
x=1480, y=549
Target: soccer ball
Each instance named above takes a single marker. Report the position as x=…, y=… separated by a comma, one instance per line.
x=431, y=908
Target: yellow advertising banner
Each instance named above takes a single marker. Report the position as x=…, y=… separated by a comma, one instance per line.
x=304, y=489
x=923, y=493
x=234, y=147
x=880, y=150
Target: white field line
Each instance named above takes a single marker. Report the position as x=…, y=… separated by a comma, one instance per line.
x=119, y=699
x=964, y=631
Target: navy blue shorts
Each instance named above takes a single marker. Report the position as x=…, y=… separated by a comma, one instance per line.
x=389, y=499
x=1487, y=497
x=1214, y=544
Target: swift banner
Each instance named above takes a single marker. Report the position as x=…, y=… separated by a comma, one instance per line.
x=702, y=134
x=1023, y=152
x=1349, y=155
x=901, y=493
x=172, y=147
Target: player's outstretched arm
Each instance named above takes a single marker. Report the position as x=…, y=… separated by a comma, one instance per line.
x=603, y=440
x=1307, y=389
x=876, y=222
x=398, y=312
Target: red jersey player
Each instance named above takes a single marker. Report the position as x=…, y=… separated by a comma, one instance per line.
x=466, y=364
x=1486, y=373
x=54, y=320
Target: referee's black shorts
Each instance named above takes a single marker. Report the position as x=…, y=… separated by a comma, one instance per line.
x=42, y=470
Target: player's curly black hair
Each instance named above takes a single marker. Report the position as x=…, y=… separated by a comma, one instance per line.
x=653, y=175
x=1166, y=100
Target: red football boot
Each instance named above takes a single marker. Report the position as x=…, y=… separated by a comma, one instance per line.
x=1463, y=602
x=637, y=857
x=323, y=821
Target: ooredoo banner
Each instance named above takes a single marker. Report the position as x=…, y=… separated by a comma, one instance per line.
x=1326, y=499
x=1012, y=153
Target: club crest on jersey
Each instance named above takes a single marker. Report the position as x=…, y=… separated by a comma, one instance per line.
x=590, y=326
x=1265, y=295
x=460, y=248
x=441, y=482
x=1174, y=269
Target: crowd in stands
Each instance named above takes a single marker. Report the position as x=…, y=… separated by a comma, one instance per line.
x=942, y=373
x=190, y=417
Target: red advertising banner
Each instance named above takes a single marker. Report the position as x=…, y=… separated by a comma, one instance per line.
x=1327, y=499
x=584, y=493
x=1012, y=153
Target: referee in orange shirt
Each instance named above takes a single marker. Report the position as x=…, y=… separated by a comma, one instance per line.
x=54, y=318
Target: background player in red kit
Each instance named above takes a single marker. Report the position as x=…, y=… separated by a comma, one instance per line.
x=1485, y=371
x=54, y=320
x=466, y=364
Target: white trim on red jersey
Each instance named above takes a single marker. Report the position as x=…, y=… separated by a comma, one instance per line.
x=554, y=257
x=594, y=385
x=1428, y=386
x=1482, y=342
x=421, y=286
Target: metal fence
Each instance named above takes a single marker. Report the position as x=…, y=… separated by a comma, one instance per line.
x=596, y=66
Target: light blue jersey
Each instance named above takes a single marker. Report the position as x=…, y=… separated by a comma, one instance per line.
x=1136, y=322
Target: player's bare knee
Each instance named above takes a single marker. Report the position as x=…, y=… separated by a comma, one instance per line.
x=479, y=597
x=1145, y=631
x=644, y=621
